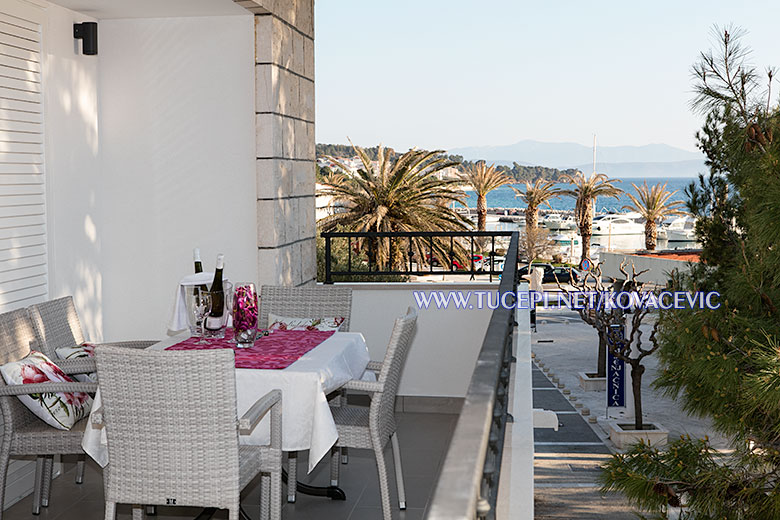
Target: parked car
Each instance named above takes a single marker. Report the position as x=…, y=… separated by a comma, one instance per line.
x=563, y=274
x=548, y=269
x=436, y=263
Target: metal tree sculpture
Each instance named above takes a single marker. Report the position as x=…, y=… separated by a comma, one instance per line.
x=591, y=281
x=629, y=347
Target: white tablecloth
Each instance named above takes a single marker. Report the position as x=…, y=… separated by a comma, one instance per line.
x=307, y=423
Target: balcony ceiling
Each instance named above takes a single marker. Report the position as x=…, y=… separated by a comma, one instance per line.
x=106, y=9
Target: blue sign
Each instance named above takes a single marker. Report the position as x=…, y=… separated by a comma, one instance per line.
x=616, y=372
x=585, y=265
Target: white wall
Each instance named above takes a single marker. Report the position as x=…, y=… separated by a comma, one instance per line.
x=446, y=344
x=658, y=268
x=169, y=165
x=72, y=167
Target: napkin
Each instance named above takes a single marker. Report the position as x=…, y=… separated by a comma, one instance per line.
x=178, y=321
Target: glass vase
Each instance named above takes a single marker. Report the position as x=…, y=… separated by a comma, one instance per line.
x=245, y=314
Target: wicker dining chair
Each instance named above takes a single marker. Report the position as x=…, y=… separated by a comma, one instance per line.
x=172, y=432
x=305, y=302
x=23, y=432
x=371, y=427
x=57, y=325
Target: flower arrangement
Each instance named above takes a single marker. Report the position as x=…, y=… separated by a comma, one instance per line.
x=245, y=313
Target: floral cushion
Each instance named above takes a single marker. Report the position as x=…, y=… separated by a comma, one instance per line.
x=286, y=323
x=62, y=409
x=79, y=351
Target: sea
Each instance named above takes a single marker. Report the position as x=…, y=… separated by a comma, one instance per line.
x=504, y=197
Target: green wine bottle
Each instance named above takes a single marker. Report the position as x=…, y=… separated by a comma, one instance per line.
x=214, y=320
x=198, y=269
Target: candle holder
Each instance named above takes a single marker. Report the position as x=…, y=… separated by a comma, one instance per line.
x=245, y=314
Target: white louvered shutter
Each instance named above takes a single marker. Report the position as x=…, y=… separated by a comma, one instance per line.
x=23, y=256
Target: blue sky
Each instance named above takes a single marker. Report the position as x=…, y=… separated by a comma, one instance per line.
x=450, y=73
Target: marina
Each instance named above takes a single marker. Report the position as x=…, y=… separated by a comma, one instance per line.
x=612, y=232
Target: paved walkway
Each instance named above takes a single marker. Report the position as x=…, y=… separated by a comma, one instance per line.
x=566, y=462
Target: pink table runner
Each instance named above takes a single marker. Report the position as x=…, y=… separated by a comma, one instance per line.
x=278, y=350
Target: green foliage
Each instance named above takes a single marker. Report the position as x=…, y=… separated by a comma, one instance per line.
x=724, y=364
x=392, y=195
x=340, y=261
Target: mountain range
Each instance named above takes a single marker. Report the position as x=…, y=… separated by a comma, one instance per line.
x=651, y=160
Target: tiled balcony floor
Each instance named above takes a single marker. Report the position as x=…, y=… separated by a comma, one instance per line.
x=423, y=437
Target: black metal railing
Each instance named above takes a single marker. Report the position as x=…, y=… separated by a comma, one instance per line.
x=468, y=483
x=414, y=253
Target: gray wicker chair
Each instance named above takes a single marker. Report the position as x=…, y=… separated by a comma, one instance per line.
x=57, y=325
x=370, y=428
x=172, y=432
x=23, y=432
x=305, y=302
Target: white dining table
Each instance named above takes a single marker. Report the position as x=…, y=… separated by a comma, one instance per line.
x=307, y=423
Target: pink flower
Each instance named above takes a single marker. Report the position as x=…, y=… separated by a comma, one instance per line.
x=56, y=372
x=75, y=399
x=32, y=374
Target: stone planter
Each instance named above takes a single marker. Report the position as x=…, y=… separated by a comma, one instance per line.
x=590, y=383
x=622, y=434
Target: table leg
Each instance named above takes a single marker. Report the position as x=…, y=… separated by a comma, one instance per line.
x=332, y=492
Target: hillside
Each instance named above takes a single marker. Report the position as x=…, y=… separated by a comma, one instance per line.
x=517, y=171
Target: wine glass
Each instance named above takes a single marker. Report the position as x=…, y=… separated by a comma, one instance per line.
x=202, y=308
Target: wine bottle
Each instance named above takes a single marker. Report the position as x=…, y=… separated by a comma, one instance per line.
x=214, y=320
x=198, y=269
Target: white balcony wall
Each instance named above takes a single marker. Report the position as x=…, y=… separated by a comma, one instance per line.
x=152, y=153
x=74, y=183
x=446, y=344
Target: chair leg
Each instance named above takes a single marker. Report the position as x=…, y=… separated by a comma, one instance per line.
x=292, y=476
x=138, y=512
x=80, y=469
x=110, y=511
x=265, y=496
x=36, y=507
x=344, y=456
x=384, y=488
x=5, y=451
x=334, y=465
x=48, y=466
x=275, y=497
x=399, y=474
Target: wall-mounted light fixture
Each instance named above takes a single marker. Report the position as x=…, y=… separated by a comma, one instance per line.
x=87, y=33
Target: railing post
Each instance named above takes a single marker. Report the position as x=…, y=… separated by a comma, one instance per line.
x=328, y=278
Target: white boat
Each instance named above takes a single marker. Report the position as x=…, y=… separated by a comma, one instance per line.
x=558, y=222
x=681, y=229
x=618, y=224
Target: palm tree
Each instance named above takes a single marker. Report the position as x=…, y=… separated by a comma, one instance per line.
x=585, y=191
x=536, y=194
x=483, y=179
x=400, y=195
x=653, y=204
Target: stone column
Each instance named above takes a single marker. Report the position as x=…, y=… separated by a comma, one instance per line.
x=284, y=106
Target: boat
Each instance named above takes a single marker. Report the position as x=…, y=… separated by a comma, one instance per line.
x=618, y=224
x=558, y=222
x=681, y=229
